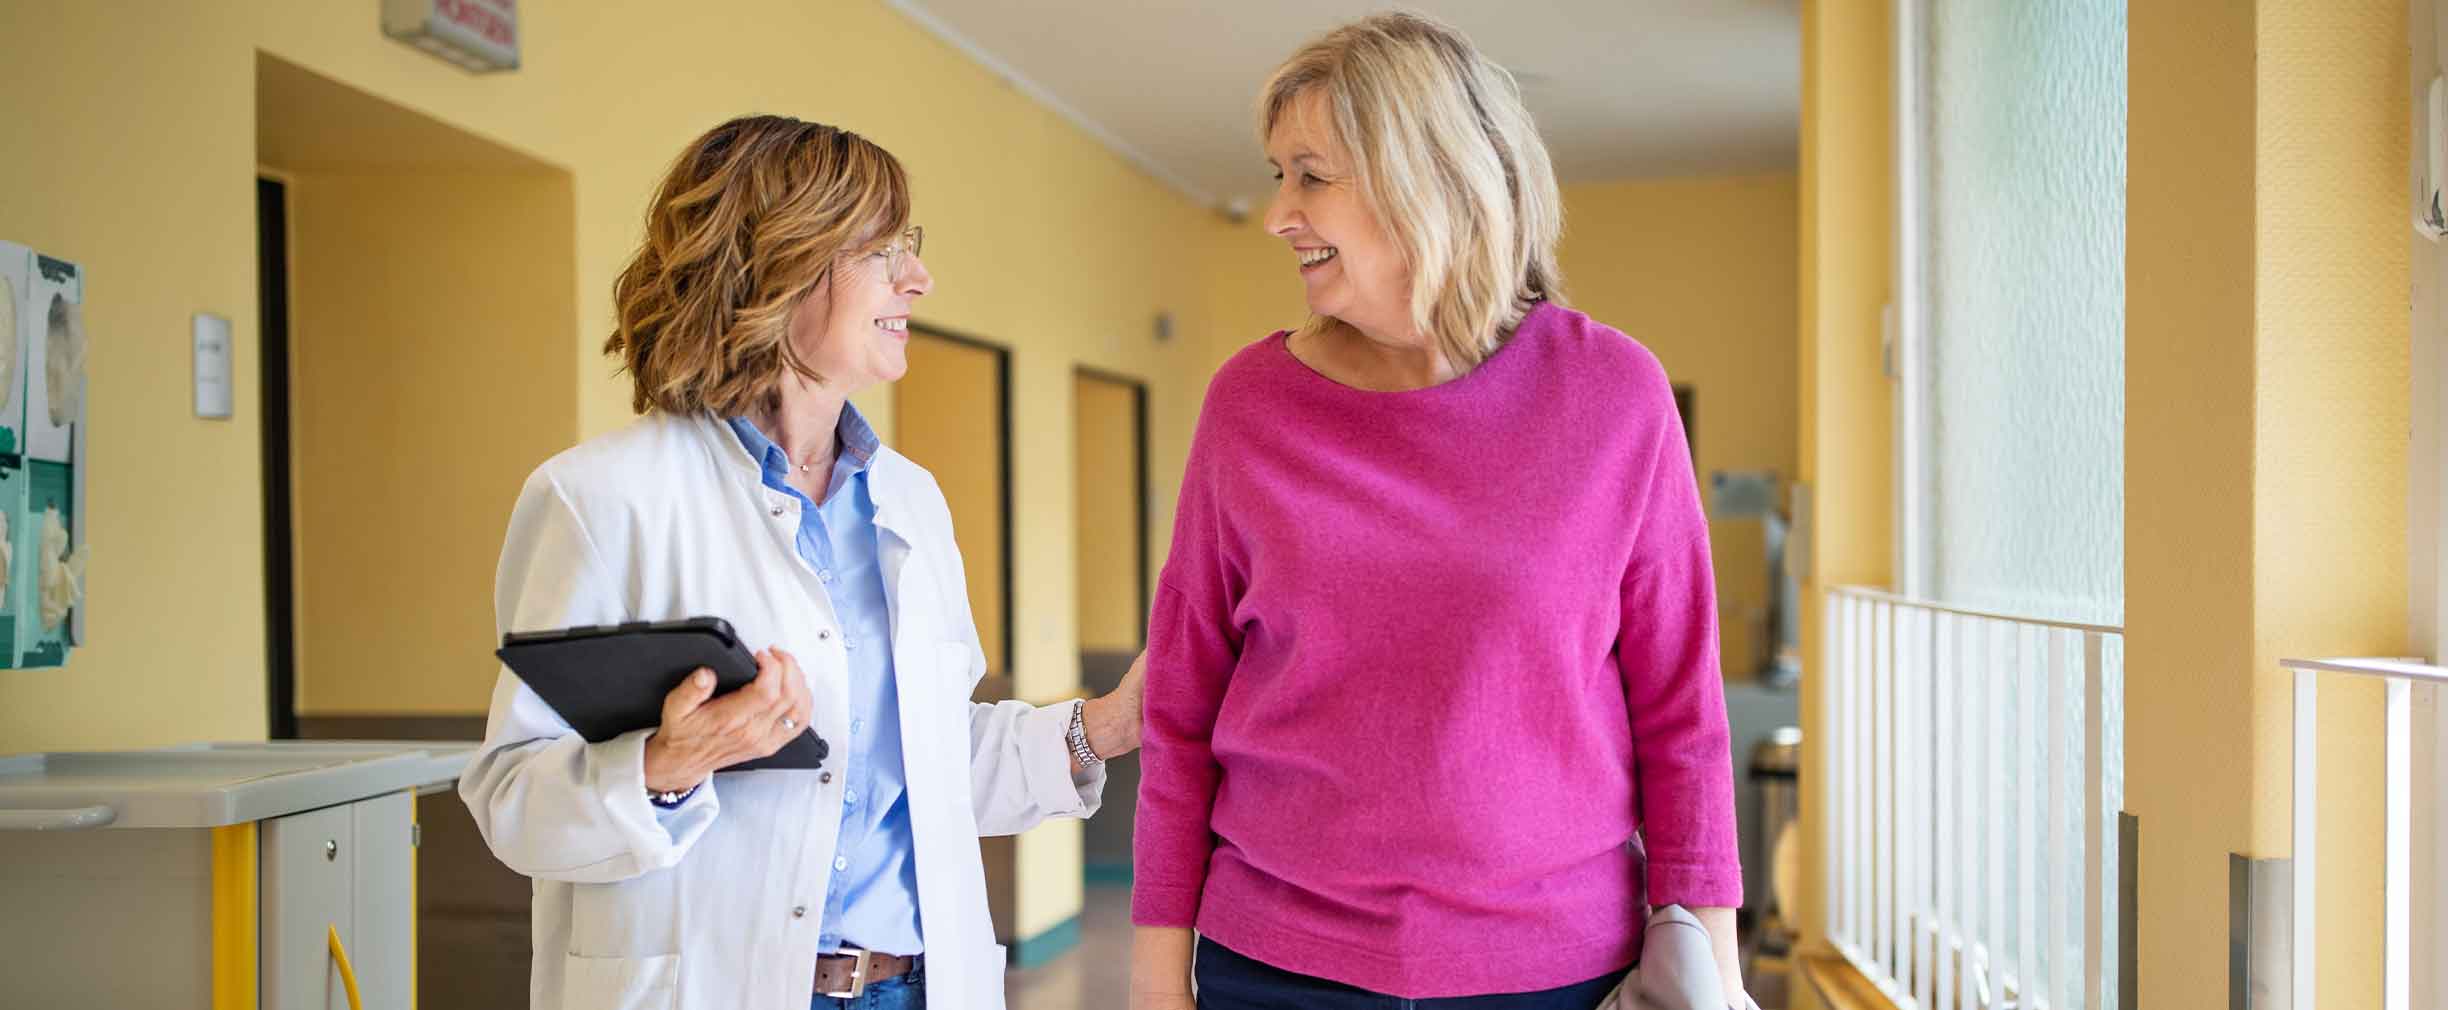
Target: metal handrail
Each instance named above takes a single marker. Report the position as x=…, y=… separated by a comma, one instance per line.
x=2408, y=668
x=2399, y=790
x=1884, y=596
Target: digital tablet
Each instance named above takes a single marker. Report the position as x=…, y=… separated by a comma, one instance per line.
x=606, y=680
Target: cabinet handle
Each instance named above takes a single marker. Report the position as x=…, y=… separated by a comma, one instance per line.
x=76, y=819
x=348, y=976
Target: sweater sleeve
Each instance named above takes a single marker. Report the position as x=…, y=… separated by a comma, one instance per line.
x=1667, y=647
x=1193, y=647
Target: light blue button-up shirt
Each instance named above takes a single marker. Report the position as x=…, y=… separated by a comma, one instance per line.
x=871, y=902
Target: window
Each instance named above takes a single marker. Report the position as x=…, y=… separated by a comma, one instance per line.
x=2012, y=307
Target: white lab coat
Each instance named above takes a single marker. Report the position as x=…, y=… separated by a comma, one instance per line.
x=719, y=903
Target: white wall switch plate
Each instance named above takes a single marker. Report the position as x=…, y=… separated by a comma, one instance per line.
x=212, y=366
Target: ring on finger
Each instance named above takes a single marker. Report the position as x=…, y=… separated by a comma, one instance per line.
x=788, y=724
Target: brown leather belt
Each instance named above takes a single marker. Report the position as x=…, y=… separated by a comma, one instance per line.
x=849, y=973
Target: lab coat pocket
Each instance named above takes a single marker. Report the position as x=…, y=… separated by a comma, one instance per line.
x=633, y=918
x=620, y=983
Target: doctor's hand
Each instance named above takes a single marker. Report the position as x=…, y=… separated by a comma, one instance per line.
x=701, y=733
x=1112, y=722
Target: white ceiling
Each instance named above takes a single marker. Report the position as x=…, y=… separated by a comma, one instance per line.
x=1621, y=88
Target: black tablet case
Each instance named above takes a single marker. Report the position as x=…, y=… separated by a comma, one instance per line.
x=608, y=680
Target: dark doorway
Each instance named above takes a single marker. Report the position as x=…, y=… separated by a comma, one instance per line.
x=280, y=573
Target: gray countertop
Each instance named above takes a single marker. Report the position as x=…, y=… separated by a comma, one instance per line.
x=208, y=785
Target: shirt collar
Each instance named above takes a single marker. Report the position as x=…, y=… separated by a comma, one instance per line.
x=856, y=435
x=858, y=442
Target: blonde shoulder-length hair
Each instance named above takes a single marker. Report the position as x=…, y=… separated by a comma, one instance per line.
x=750, y=219
x=1449, y=163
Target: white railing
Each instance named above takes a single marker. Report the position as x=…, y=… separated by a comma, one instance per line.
x=1976, y=767
x=2414, y=894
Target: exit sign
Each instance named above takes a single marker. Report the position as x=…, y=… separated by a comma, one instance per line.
x=481, y=36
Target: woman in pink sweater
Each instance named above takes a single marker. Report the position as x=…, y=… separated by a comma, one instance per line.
x=1434, y=658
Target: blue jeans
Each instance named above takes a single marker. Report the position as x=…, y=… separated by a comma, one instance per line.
x=1229, y=981
x=905, y=992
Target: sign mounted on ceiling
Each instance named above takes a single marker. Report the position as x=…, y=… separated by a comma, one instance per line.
x=480, y=36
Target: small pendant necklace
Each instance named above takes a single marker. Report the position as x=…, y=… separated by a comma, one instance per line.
x=808, y=465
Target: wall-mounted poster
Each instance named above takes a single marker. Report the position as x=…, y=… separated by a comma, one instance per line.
x=42, y=483
x=17, y=312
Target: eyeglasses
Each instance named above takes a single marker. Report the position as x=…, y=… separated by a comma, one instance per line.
x=901, y=251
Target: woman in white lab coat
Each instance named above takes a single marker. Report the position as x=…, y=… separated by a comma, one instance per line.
x=776, y=279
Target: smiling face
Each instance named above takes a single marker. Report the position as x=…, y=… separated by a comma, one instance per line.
x=760, y=276
x=1349, y=266
x=854, y=328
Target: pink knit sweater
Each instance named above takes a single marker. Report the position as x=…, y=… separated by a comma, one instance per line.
x=1422, y=663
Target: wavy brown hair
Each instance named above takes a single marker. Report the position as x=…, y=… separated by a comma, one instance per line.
x=750, y=219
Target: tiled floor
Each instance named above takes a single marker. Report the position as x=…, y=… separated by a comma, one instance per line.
x=1092, y=976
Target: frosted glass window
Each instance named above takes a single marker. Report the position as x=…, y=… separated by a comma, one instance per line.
x=2023, y=308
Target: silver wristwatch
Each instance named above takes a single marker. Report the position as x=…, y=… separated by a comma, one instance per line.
x=1077, y=737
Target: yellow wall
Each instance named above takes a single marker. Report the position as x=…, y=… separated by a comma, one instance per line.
x=2427, y=264
x=414, y=303
x=1253, y=289
x=1846, y=411
x=1702, y=272
x=2266, y=432
x=2189, y=376
x=144, y=174
x=2331, y=424
x=1111, y=613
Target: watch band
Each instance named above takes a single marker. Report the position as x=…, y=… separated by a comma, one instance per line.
x=1077, y=737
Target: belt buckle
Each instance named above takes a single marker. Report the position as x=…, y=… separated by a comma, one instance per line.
x=858, y=974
